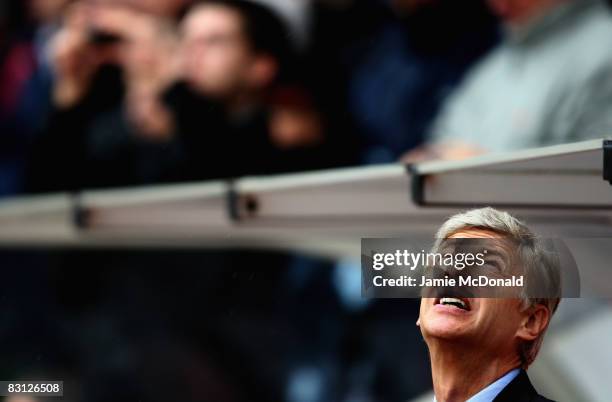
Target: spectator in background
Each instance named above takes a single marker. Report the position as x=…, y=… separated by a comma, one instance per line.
x=108, y=59
x=193, y=106
x=549, y=82
x=245, y=108
x=404, y=65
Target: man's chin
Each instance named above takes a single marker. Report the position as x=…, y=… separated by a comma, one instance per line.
x=447, y=327
x=446, y=335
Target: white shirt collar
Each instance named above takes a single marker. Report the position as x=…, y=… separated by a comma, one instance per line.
x=490, y=392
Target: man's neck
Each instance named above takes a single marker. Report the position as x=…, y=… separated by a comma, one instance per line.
x=459, y=372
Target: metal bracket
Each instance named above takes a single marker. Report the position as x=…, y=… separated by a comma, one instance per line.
x=80, y=214
x=417, y=185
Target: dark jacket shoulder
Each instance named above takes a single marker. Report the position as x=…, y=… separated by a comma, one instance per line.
x=520, y=390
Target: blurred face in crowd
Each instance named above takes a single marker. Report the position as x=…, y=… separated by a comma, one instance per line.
x=517, y=12
x=496, y=325
x=217, y=58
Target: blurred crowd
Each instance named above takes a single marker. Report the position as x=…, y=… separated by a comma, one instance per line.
x=108, y=93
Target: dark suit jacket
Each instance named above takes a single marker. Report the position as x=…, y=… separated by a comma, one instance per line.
x=520, y=390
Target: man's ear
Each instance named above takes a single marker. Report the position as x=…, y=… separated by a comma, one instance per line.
x=263, y=71
x=534, y=322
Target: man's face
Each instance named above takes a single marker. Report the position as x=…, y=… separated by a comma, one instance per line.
x=216, y=56
x=487, y=322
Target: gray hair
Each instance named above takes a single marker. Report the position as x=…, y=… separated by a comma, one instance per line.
x=536, y=260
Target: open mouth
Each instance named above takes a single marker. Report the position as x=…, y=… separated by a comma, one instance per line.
x=462, y=304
